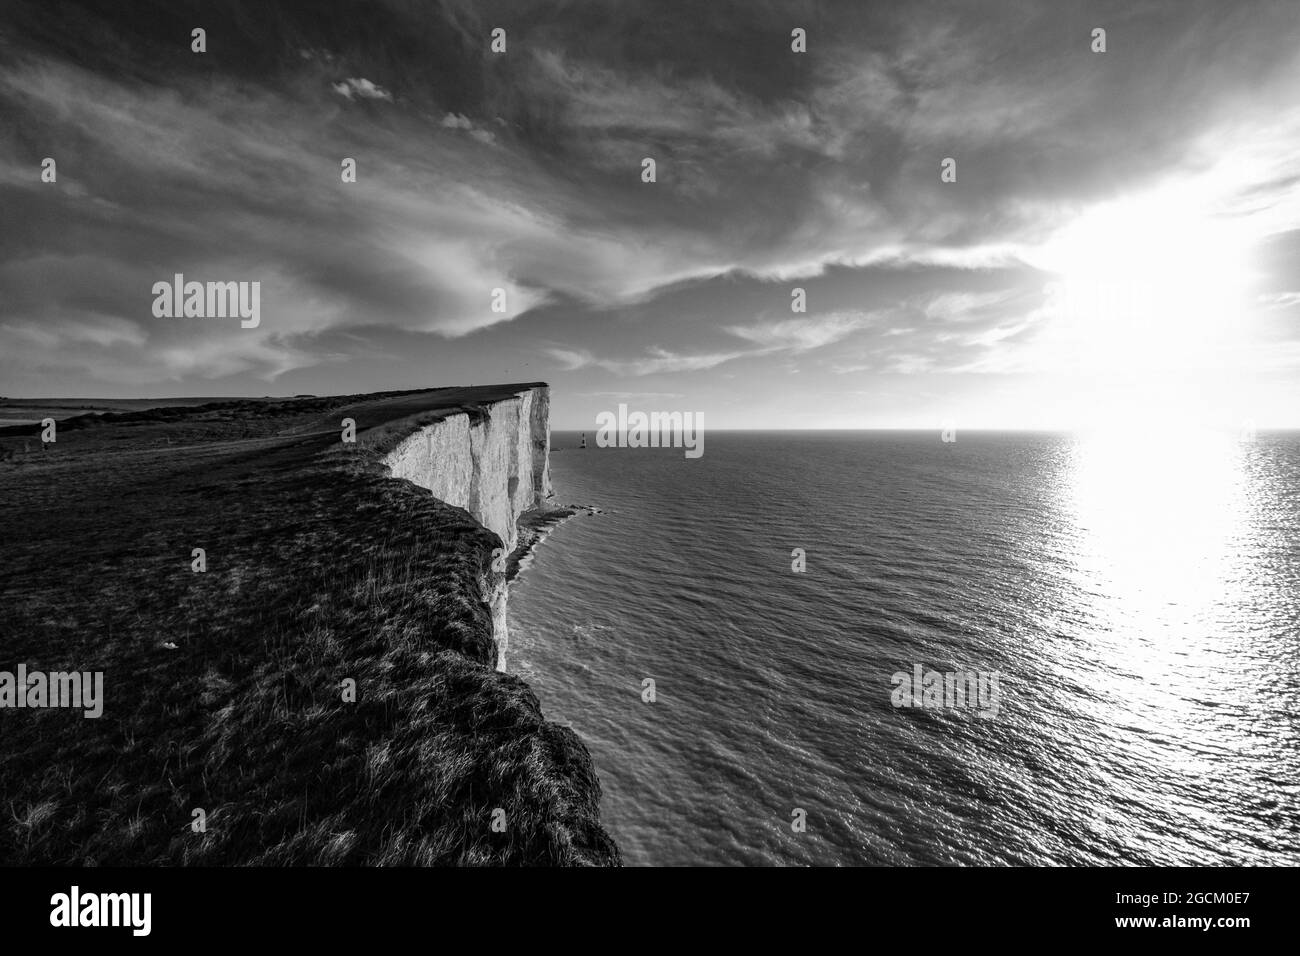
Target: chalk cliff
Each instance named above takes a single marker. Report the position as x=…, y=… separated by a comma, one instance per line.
x=493, y=460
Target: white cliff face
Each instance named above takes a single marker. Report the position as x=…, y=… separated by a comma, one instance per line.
x=496, y=469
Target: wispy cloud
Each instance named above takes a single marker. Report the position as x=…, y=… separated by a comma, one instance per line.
x=803, y=333
x=658, y=361
x=362, y=89
x=480, y=133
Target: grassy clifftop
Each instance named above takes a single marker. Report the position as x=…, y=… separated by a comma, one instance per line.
x=223, y=689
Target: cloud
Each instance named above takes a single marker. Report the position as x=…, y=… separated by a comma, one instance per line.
x=772, y=167
x=363, y=88
x=457, y=121
x=659, y=360
x=1281, y=300
x=950, y=307
x=804, y=333
x=793, y=336
x=619, y=109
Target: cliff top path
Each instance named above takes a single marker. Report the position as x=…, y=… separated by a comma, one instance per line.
x=223, y=688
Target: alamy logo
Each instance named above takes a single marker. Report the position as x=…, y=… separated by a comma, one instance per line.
x=56, y=689
x=210, y=300
x=936, y=690
x=103, y=909
x=655, y=430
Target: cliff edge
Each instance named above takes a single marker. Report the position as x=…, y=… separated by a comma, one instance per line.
x=493, y=460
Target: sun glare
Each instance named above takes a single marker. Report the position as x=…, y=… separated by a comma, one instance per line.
x=1160, y=519
x=1147, y=284
x=1158, y=516
x=1143, y=288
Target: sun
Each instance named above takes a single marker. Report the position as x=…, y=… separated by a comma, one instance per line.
x=1149, y=283
x=1149, y=294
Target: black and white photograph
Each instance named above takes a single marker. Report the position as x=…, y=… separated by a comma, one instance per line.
x=826, y=435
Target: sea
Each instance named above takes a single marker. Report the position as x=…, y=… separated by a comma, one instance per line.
x=732, y=636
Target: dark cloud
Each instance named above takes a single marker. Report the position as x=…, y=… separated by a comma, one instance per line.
x=521, y=172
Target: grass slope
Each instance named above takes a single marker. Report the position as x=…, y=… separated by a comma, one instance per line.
x=319, y=569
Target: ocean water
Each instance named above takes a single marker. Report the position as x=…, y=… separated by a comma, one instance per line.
x=1139, y=598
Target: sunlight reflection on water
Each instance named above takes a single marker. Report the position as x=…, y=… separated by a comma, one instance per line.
x=1138, y=592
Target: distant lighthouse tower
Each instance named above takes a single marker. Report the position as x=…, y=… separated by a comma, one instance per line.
x=584, y=440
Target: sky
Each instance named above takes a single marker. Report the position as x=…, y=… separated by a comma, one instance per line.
x=1121, y=243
